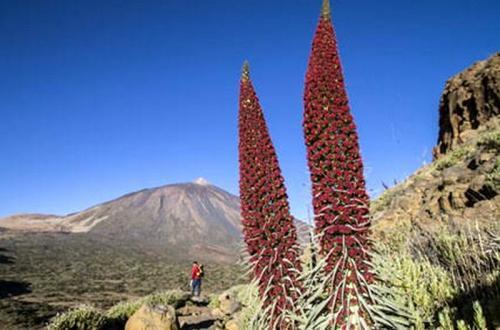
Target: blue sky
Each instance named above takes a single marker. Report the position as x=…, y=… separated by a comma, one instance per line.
x=101, y=98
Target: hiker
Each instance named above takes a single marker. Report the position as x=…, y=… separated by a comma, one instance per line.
x=196, y=274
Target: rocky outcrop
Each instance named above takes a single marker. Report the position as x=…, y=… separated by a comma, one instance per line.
x=462, y=185
x=159, y=317
x=187, y=312
x=469, y=100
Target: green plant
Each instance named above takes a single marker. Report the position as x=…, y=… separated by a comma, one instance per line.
x=479, y=320
x=416, y=284
x=445, y=320
x=490, y=141
x=175, y=298
x=81, y=318
x=253, y=314
x=214, y=301
x=453, y=157
x=384, y=200
x=122, y=311
x=470, y=254
x=493, y=177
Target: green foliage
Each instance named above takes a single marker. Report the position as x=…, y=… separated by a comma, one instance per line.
x=383, y=201
x=419, y=286
x=252, y=315
x=453, y=157
x=490, y=141
x=448, y=319
x=122, y=311
x=493, y=177
x=82, y=318
x=445, y=320
x=479, y=320
x=471, y=255
x=434, y=268
x=174, y=298
x=461, y=325
x=214, y=301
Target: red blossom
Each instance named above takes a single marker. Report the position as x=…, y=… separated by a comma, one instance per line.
x=268, y=227
x=340, y=200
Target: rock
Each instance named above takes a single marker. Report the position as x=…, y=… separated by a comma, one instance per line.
x=201, y=301
x=469, y=100
x=193, y=310
x=218, y=313
x=160, y=317
x=202, y=321
x=232, y=325
x=228, y=303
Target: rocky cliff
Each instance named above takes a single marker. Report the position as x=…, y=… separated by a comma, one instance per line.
x=469, y=100
x=463, y=184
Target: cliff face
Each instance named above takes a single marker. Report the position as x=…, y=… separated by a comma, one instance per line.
x=469, y=100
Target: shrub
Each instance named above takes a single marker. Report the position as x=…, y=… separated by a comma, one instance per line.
x=419, y=286
x=121, y=312
x=175, y=298
x=493, y=177
x=470, y=254
x=490, y=141
x=453, y=157
x=81, y=318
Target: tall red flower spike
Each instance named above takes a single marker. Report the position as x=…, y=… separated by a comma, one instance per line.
x=340, y=200
x=269, y=231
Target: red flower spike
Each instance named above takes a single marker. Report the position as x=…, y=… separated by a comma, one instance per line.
x=264, y=208
x=340, y=200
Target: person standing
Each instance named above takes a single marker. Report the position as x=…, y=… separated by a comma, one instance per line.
x=196, y=274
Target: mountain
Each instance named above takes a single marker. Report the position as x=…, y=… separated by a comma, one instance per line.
x=185, y=220
x=180, y=218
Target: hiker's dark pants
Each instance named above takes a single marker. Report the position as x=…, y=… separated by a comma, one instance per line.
x=196, y=287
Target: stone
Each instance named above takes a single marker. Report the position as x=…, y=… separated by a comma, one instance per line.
x=201, y=321
x=160, y=317
x=232, y=325
x=218, y=313
x=229, y=303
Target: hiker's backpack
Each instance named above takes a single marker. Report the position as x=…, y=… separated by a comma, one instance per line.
x=202, y=271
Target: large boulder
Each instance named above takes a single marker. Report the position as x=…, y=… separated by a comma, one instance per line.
x=148, y=317
x=228, y=303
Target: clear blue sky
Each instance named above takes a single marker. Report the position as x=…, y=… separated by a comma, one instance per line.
x=101, y=98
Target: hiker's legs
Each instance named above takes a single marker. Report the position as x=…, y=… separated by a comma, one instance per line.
x=196, y=288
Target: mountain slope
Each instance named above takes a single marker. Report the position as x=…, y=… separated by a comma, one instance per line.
x=182, y=218
x=189, y=220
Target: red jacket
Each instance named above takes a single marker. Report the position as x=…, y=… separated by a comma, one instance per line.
x=195, y=272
